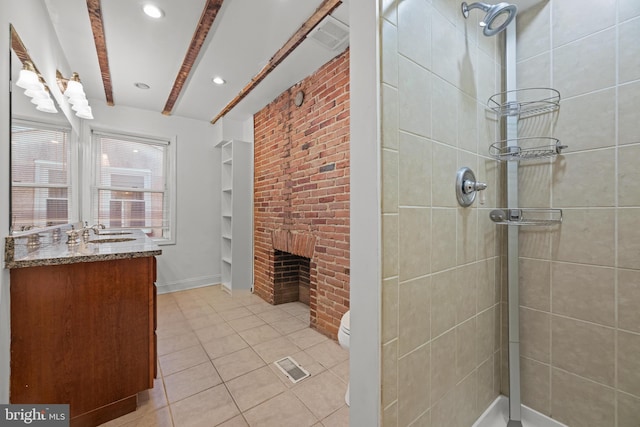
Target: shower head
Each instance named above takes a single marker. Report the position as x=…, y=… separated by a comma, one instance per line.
x=498, y=16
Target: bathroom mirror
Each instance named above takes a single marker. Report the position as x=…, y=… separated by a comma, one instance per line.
x=39, y=149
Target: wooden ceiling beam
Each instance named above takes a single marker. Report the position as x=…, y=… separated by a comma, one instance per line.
x=298, y=37
x=20, y=49
x=209, y=14
x=97, y=26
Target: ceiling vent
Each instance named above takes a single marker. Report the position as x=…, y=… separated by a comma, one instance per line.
x=331, y=34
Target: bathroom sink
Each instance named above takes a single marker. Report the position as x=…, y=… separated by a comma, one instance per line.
x=113, y=240
x=115, y=233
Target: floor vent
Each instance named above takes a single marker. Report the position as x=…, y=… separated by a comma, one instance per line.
x=291, y=369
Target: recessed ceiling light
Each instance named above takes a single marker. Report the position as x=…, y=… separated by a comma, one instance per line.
x=218, y=80
x=153, y=11
x=141, y=85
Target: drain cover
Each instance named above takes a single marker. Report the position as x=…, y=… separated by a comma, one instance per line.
x=291, y=369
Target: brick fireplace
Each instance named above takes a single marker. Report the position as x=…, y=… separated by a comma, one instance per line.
x=301, y=196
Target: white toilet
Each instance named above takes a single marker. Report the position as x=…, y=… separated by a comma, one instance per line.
x=344, y=334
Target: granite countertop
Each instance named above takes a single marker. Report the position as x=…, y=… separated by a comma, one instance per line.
x=53, y=252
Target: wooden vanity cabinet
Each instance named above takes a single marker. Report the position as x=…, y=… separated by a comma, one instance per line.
x=84, y=334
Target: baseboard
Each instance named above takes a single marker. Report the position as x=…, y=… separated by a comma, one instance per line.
x=191, y=283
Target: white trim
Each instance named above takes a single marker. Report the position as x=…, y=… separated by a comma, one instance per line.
x=192, y=283
x=497, y=415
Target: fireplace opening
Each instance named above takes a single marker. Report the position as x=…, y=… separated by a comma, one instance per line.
x=291, y=278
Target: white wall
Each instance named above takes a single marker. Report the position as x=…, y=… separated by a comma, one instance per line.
x=194, y=260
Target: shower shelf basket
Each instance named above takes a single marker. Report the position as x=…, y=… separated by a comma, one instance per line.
x=530, y=102
x=530, y=148
x=529, y=216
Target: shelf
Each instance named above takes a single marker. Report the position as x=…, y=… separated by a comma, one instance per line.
x=226, y=260
x=226, y=216
x=530, y=102
x=529, y=216
x=526, y=149
x=228, y=161
x=227, y=190
x=226, y=236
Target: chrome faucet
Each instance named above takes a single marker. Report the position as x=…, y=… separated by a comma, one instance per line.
x=97, y=227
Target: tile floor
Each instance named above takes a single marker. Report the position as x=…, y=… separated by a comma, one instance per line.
x=216, y=355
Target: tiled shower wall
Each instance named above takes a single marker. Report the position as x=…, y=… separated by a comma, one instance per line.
x=440, y=303
x=580, y=283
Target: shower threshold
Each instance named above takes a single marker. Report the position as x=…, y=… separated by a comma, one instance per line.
x=497, y=415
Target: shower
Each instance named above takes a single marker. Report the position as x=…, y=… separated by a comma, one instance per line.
x=497, y=18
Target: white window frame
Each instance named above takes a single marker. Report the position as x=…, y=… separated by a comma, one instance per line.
x=73, y=202
x=91, y=170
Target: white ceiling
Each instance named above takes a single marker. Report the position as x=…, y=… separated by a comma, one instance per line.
x=244, y=36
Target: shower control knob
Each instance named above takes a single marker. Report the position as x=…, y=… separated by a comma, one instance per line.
x=467, y=187
x=471, y=186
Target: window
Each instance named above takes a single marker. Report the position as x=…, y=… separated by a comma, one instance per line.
x=133, y=183
x=40, y=175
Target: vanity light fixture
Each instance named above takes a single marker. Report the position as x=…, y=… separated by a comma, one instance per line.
x=30, y=80
x=218, y=80
x=74, y=92
x=153, y=11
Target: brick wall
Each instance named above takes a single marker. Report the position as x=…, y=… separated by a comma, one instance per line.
x=301, y=189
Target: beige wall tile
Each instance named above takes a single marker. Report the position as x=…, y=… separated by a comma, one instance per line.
x=389, y=309
x=489, y=171
x=586, y=236
x=467, y=122
x=628, y=410
x=443, y=365
x=466, y=396
x=466, y=344
x=423, y=420
x=536, y=242
x=535, y=385
x=628, y=9
x=628, y=123
x=444, y=412
x=444, y=171
x=487, y=285
x=390, y=118
x=584, y=349
x=584, y=292
x=486, y=390
x=535, y=284
x=485, y=335
x=629, y=51
x=389, y=245
x=534, y=71
x=467, y=226
x=629, y=300
x=389, y=53
x=415, y=242
x=534, y=334
x=414, y=327
x=414, y=98
x=579, y=402
x=585, y=179
x=628, y=237
x=443, y=254
x=585, y=65
x=389, y=373
x=577, y=18
x=534, y=183
x=533, y=33
x=629, y=362
x=390, y=415
x=445, y=112
x=598, y=131
x=414, y=171
x=389, y=181
x=389, y=10
x=628, y=175
x=447, y=46
x=466, y=288
x=443, y=302
x=413, y=385
x=414, y=31
x=486, y=76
